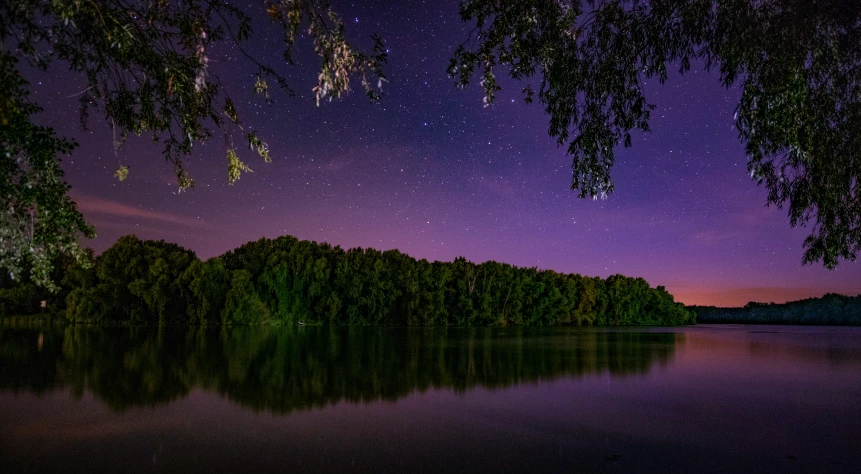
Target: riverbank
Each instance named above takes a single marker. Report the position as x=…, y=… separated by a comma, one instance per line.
x=19, y=320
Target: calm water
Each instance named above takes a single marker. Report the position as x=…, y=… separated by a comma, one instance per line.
x=702, y=399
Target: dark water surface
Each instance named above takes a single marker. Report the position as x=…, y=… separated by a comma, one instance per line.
x=698, y=399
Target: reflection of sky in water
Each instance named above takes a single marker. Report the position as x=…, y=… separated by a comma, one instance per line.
x=715, y=399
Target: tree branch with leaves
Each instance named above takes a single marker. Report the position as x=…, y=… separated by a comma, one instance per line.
x=147, y=70
x=797, y=62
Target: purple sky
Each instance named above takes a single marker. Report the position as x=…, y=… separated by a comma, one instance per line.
x=431, y=172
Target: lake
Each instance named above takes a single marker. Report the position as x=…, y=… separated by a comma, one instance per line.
x=710, y=398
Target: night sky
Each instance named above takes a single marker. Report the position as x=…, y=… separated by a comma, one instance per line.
x=432, y=173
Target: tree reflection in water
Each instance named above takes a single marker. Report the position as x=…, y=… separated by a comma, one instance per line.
x=281, y=369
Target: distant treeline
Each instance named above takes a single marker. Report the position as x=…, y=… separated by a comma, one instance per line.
x=830, y=309
x=286, y=281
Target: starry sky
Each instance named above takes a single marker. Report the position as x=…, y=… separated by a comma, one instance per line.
x=431, y=172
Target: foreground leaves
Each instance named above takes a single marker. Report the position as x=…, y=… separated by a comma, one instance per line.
x=146, y=67
x=797, y=62
x=38, y=220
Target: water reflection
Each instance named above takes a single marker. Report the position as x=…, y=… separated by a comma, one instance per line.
x=286, y=369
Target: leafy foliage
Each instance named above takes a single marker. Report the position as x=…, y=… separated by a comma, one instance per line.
x=241, y=303
x=38, y=221
x=203, y=285
x=147, y=64
x=20, y=299
x=134, y=281
x=798, y=64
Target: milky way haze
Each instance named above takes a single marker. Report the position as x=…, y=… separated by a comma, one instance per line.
x=431, y=172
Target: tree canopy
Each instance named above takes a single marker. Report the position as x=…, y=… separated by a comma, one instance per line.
x=147, y=70
x=286, y=281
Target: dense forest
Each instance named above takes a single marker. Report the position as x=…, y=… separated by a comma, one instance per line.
x=290, y=281
x=284, y=369
x=830, y=309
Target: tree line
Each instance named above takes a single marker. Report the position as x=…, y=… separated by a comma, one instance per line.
x=831, y=309
x=290, y=281
x=284, y=369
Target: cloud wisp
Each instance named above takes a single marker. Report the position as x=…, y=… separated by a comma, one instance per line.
x=94, y=205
